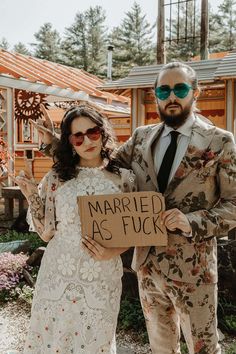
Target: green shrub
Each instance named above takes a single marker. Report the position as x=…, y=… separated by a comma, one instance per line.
x=232, y=349
x=226, y=316
x=24, y=292
x=184, y=348
x=34, y=240
x=131, y=317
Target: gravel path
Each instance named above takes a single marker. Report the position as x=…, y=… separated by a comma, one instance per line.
x=14, y=319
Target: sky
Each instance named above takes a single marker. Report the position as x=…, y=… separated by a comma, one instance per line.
x=20, y=19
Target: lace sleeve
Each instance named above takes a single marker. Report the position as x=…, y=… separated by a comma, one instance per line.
x=37, y=217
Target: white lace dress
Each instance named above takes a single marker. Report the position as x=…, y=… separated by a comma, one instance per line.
x=77, y=299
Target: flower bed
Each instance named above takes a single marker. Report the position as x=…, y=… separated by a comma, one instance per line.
x=11, y=272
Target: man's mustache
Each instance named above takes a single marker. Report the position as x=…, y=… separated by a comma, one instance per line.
x=173, y=103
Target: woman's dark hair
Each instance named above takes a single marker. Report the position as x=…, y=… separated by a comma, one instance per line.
x=65, y=160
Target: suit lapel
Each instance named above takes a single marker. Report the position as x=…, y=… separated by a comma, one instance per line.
x=201, y=137
x=148, y=152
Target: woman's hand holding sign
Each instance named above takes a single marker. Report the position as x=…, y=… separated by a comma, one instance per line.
x=99, y=252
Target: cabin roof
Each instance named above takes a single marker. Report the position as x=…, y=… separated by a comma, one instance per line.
x=208, y=71
x=38, y=75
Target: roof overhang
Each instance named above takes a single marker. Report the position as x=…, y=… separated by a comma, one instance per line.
x=144, y=77
x=22, y=84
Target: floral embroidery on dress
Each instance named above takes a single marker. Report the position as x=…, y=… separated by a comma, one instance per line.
x=77, y=299
x=66, y=264
x=90, y=270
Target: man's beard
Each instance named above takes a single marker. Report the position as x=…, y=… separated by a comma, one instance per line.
x=175, y=120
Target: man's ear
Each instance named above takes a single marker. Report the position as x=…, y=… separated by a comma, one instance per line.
x=196, y=94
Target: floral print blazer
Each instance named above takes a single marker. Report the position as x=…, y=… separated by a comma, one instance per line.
x=203, y=188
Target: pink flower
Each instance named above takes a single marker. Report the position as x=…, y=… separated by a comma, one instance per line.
x=179, y=173
x=198, y=346
x=207, y=278
x=195, y=270
x=190, y=289
x=226, y=162
x=11, y=267
x=201, y=247
x=178, y=283
x=203, y=261
x=208, y=155
x=171, y=251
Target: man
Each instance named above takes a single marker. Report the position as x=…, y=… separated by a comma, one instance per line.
x=193, y=164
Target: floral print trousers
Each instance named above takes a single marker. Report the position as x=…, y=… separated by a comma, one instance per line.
x=169, y=305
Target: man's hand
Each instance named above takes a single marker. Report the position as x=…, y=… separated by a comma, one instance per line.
x=99, y=252
x=174, y=219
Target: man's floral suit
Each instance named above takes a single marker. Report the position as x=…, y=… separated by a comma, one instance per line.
x=204, y=189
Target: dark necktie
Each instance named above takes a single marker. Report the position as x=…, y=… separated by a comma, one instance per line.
x=164, y=172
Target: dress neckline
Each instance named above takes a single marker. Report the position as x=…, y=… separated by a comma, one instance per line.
x=97, y=168
x=100, y=168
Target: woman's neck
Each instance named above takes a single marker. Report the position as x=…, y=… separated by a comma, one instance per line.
x=91, y=163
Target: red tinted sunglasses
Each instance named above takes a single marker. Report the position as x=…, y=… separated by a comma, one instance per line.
x=77, y=139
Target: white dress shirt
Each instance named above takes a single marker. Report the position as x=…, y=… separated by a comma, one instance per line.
x=182, y=144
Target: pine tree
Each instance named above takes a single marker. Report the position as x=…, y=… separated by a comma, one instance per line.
x=184, y=48
x=74, y=46
x=48, y=43
x=225, y=20
x=85, y=41
x=132, y=42
x=214, y=31
x=95, y=18
x=4, y=44
x=21, y=48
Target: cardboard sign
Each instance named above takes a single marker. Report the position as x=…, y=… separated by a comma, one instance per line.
x=123, y=220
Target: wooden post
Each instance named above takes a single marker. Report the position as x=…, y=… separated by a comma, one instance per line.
x=204, y=30
x=161, y=55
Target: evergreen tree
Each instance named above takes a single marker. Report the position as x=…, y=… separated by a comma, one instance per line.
x=214, y=32
x=85, y=41
x=95, y=18
x=21, y=48
x=225, y=21
x=48, y=43
x=184, y=48
x=4, y=44
x=74, y=46
x=132, y=42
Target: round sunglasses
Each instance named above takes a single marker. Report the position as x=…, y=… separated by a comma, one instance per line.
x=77, y=139
x=180, y=90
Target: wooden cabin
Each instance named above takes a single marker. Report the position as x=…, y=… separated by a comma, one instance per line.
x=25, y=82
x=217, y=102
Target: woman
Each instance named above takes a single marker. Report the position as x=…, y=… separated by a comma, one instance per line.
x=77, y=294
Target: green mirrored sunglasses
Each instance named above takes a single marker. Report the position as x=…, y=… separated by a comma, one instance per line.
x=180, y=90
